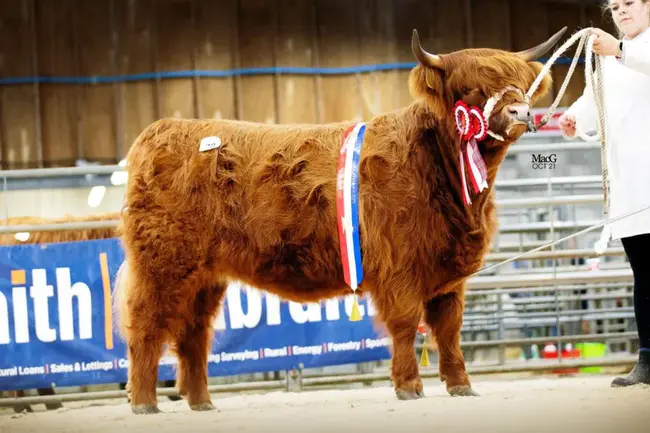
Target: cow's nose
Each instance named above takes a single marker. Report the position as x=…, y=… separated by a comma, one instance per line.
x=520, y=112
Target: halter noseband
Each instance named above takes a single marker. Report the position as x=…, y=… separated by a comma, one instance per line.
x=492, y=102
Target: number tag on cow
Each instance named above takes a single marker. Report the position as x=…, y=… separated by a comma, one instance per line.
x=209, y=143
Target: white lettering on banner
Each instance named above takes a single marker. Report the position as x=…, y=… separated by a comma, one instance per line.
x=240, y=356
x=300, y=316
x=21, y=321
x=332, y=309
x=65, y=292
x=216, y=358
x=373, y=343
x=40, y=293
x=4, y=324
x=61, y=368
x=29, y=371
x=275, y=353
x=219, y=323
x=307, y=350
x=22, y=371
x=96, y=365
x=168, y=360
x=239, y=319
x=9, y=372
x=340, y=347
x=272, y=309
x=300, y=313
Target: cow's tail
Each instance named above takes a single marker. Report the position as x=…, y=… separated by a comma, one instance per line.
x=120, y=297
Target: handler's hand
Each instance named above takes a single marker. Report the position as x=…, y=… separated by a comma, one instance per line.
x=567, y=124
x=605, y=44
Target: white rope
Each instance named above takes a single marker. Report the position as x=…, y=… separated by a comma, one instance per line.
x=588, y=229
x=594, y=82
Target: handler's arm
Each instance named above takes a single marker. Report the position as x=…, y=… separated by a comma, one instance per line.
x=636, y=55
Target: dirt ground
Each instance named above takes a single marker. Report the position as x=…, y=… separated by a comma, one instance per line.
x=531, y=405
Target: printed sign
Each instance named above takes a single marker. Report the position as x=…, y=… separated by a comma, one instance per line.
x=57, y=324
x=552, y=128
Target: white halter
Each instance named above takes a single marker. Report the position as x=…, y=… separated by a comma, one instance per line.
x=492, y=102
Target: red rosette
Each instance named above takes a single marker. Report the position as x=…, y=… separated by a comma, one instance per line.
x=462, y=118
x=470, y=122
x=479, y=126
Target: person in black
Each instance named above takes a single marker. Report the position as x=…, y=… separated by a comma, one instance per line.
x=626, y=83
x=637, y=249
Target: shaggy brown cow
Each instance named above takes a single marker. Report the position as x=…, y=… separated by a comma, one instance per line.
x=261, y=209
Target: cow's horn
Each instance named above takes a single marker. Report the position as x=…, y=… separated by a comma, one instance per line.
x=423, y=57
x=538, y=51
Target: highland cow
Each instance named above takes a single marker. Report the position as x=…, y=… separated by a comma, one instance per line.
x=260, y=207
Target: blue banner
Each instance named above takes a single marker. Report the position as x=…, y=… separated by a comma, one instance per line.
x=56, y=324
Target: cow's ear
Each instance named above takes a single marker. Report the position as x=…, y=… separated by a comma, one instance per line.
x=434, y=79
x=425, y=82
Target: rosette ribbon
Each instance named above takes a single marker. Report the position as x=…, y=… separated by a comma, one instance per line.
x=472, y=127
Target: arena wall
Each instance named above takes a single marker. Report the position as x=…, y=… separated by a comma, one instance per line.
x=80, y=79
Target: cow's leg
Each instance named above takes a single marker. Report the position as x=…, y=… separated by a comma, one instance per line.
x=192, y=349
x=401, y=318
x=145, y=349
x=405, y=373
x=144, y=343
x=444, y=315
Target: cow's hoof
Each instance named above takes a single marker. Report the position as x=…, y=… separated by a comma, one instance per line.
x=409, y=395
x=145, y=409
x=202, y=407
x=462, y=391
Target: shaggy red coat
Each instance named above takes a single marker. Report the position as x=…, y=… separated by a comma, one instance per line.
x=261, y=209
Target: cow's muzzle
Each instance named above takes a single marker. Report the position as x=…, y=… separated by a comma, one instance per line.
x=521, y=113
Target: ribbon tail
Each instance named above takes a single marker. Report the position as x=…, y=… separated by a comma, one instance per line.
x=478, y=166
x=464, y=180
x=475, y=175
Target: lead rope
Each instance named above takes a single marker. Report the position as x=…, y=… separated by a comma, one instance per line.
x=594, y=82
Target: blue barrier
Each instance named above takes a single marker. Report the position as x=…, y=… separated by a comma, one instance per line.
x=56, y=324
x=277, y=70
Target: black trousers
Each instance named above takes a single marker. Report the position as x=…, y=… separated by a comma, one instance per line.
x=637, y=249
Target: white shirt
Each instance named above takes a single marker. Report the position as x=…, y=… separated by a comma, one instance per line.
x=626, y=87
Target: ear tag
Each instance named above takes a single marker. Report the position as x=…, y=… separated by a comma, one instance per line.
x=209, y=143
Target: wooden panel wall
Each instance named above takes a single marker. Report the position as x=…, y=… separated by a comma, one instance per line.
x=55, y=123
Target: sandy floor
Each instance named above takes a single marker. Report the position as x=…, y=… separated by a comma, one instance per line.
x=545, y=404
